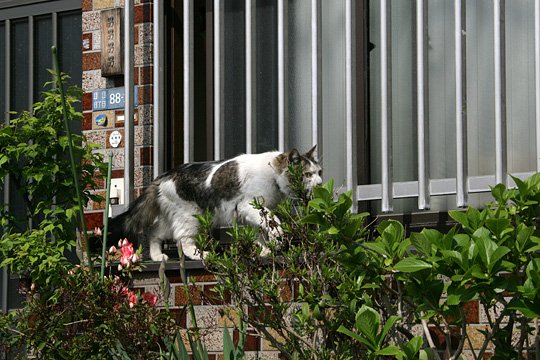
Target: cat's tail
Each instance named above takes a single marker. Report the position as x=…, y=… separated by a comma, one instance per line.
x=139, y=217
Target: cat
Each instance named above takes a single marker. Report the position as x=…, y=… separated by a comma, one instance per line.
x=167, y=207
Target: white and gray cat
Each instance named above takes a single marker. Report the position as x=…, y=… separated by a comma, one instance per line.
x=167, y=207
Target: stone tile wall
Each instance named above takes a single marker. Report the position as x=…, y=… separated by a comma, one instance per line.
x=212, y=315
x=92, y=81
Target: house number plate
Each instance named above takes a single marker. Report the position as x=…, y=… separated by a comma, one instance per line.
x=110, y=99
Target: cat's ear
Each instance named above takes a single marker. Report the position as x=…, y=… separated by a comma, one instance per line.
x=312, y=154
x=294, y=157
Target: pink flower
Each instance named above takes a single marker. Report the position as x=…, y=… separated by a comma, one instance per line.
x=124, y=291
x=132, y=297
x=127, y=252
x=135, y=258
x=150, y=299
x=97, y=231
x=112, y=250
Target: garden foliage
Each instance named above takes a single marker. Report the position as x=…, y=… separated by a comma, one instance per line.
x=33, y=156
x=331, y=289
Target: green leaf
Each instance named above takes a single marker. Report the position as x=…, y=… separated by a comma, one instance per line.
x=318, y=204
x=498, y=192
x=390, y=350
x=523, y=237
x=386, y=328
x=412, y=347
x=460, y=217
x=456, y=257
x=498, y=255
x=412, y=264
x=522, y=186
x=314, y=218
x=378, y=247
x=228, y=345
x=497, y=225
x=333, y=230
x=342, y=329
x=367, y=323
x=422, y=243
x=426, y=354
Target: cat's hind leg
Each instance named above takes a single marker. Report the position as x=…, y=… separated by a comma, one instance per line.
x=158, y=233
x=185, y=227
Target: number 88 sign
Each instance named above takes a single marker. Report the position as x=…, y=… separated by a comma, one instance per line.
x=110, y=99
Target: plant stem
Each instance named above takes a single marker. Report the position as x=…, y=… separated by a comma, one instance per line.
x=106, y=216
x=536, y=340
x=430, y=339
x=71, y=157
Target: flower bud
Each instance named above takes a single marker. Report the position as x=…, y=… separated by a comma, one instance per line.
x=97, y=231
x=112, y=250
x=119, y=267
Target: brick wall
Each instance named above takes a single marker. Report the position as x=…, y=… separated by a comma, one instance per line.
x=92, y=80
x=212, y=315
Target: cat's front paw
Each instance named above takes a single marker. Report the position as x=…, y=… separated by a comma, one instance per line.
x=193, y=253
x=159, y=258
x=265, y=252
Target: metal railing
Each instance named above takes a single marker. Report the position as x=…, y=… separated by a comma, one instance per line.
x=462, y=185
x=424, y=187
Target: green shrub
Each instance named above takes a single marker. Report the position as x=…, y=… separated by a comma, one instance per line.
x=358, y=295
x=88, y=317
x=33, y=150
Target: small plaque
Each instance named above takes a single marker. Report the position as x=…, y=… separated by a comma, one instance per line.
x=114, y=139
x=110, y=99
x=112, y=50
x=101, y=120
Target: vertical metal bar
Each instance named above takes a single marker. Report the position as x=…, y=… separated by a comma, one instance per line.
x=422, y=105
x=159, y=110
x=282, y=20
x=5, y=279
x=316, y=75
x=7, y=99
x=54, y=19
x=537, y=77
x=500, y=96
x=461, y=103
x=219, y=11
x=386, y=108
x=30, y=70
x=350, y=99
x=129, y=126
x=30, y=62
x=188, y=81
x=251, y=75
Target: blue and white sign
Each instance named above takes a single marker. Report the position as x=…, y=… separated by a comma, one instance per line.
x=110, y=99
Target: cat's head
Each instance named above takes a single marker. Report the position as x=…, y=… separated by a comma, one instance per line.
x=311, y=169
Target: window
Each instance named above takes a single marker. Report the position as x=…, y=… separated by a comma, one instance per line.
x=406, y=115
x=277, y=75
x=492, y=64
x=26, y=36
